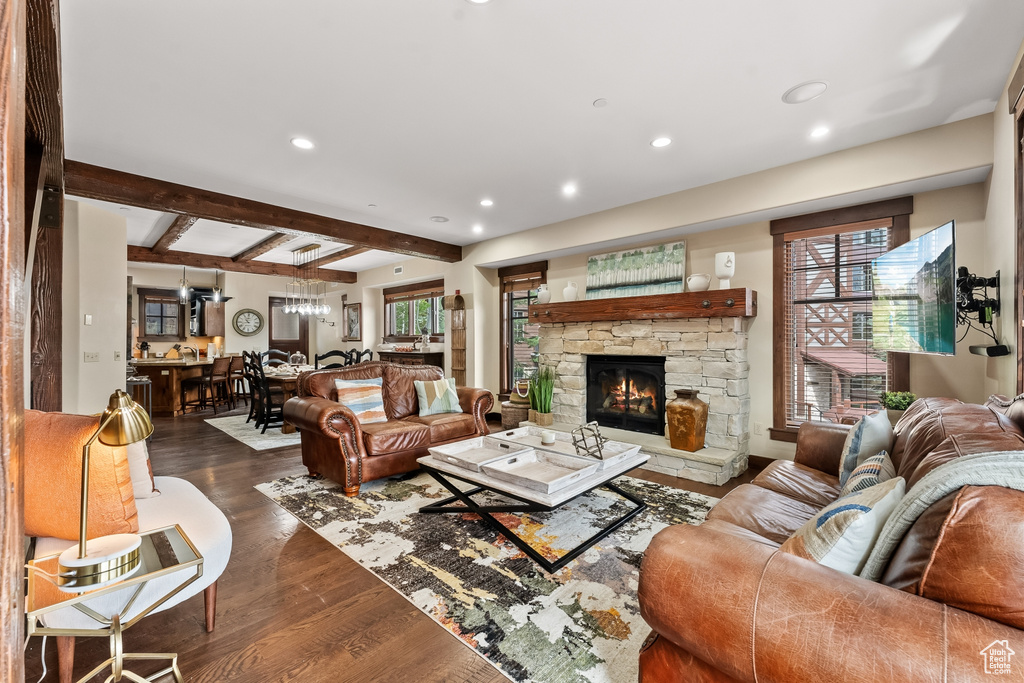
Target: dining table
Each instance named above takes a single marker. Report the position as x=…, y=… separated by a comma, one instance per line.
x=288, y=380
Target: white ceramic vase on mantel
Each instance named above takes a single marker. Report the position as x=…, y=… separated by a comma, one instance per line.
x=570, y=292
x=543, y=294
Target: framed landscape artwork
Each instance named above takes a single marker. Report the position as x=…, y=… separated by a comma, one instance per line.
x=637, y=272
x=352, y=324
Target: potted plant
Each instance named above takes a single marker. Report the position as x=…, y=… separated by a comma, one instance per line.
x=541, y=389
x=896, y=403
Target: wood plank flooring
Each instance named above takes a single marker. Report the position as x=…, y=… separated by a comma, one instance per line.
x=290, y=605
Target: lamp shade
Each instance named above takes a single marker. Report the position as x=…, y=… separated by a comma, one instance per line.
x=131, y=423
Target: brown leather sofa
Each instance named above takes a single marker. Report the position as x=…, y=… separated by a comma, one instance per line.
x=335, y=445
x=726, y=605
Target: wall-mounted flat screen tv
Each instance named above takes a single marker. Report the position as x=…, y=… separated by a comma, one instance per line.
x=913, y=306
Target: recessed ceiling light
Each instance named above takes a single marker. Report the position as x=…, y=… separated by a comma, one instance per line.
x=805, y=92
x=661, y=142
x=478, y=228
x=569, y=189
x=486, y=202
x=302, y=143
x=123, y=208
x=439, y=219
x=819, y=132
x=479, y=2
x=600, y=102
x=372, y=206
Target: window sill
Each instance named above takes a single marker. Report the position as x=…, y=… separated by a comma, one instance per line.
x=787, y=434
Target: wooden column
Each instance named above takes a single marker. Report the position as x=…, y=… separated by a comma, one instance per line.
x=47, y=327
x=12, y=330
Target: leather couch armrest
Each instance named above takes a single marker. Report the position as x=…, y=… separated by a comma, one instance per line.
x=743, y=607
x=819, y=445
x=476, y=402
x=321, y=416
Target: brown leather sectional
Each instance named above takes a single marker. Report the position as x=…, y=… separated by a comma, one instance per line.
x=725, y=605
x=335, y=445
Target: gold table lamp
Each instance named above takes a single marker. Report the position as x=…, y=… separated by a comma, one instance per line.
x=103, y=560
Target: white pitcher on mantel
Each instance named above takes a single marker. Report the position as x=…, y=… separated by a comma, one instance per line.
x=570, y=292
x=543, y=295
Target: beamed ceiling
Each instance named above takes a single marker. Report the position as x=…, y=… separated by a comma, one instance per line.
x=420, y=109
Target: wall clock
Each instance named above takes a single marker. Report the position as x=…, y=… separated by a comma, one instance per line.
x=248, y=322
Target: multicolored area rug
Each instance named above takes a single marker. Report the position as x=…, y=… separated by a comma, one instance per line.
x=237, y=428
x=579, y=625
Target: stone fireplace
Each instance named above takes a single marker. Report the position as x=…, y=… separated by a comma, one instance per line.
x=708, y=354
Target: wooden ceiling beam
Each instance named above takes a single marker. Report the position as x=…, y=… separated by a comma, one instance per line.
x=261, y=248
x=95, y=182
x=174, y=232
x=210, y=262
x=339, y=255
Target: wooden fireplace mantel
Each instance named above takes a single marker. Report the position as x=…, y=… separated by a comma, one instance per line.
x=717, y=303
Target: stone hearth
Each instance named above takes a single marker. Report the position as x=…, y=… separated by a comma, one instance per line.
x=706, y=354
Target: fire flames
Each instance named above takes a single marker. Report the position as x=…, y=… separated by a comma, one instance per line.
x=627, y=397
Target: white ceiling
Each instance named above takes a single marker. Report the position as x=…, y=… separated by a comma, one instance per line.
x=424, y=108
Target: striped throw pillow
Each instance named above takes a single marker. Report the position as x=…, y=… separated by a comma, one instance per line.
x=874, y=470
x=437, y=396
x=842, y=535
x=871, y=434
x=364, y=397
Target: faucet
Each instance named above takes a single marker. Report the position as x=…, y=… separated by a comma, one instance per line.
x=194, y=350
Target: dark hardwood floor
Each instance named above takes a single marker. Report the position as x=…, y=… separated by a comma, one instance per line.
x=290, y=605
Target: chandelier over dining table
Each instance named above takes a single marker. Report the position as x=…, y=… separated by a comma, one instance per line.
x=307, y=293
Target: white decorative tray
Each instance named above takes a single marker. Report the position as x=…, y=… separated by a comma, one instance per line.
x=529, y=437
x=540, y=470
x=472, y=453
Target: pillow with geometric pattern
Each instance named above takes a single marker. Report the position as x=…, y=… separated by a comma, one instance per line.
x=843, y=533
x=874, y=470
x=437, y=396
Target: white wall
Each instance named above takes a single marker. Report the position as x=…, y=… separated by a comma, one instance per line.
x=95, y=283
x=1001, y=373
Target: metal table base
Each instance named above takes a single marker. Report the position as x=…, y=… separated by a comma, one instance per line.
x=484, y=511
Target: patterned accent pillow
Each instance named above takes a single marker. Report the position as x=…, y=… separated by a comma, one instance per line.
x=874, y=470
x=437, y=396
x=364, y=397
x=871, y=434
x=842, y=534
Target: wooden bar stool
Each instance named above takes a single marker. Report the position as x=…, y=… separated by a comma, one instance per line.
x=236, y=379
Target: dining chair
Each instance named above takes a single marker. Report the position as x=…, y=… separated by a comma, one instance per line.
x=345, y=356
x=271, y=403
x=236, y=379
x=274, y=357
x=358, y=356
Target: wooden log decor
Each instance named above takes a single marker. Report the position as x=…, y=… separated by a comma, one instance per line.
x=457, y=305
x=718, y=303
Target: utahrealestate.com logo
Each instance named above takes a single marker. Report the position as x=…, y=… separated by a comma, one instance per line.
x=997, y=657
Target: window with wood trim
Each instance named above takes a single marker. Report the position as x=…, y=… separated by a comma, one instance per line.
x=825, y=368
x=161, y=315
x=520, y=338
x=413, y=310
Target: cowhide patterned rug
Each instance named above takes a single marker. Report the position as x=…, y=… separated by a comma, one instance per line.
x=580, y=625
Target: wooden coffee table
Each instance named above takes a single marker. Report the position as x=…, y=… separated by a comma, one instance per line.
x=529, y=501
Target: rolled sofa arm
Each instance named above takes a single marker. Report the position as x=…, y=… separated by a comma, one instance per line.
x=819, y=445
x=318, y=415
x=476, y=402
x=759, y=614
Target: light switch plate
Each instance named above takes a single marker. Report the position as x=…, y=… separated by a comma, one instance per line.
x=117, y=355
x=88, y=319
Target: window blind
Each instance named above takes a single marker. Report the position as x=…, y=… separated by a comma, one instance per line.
x=419, y=290
x=523, y=277
x=833, y=373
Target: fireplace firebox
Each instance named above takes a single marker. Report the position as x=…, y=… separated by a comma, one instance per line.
x=627, y=392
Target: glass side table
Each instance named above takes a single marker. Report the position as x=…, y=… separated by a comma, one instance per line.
x=164, y=551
